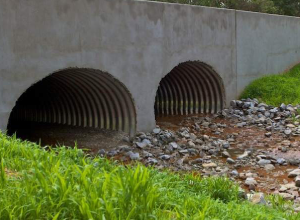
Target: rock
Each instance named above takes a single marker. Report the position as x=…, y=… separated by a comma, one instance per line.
x=263, y=162
x=197, y=161
x=156, y=130
x=146, y=154
x=294, y=162
x=283, y=189
x=269, y=167
x=124, y=148
x=209, y=165
x=290, y=126
x=133, y=156
x=286, y=143
x=297, y=181
x=244, y=155
x=281, y=161
x=282, y=107
x=112, y=153
x=234, y=173
x=230, y=161
x=269, y=134
x=233, y=103
x=242, y=124
x=165, y=157
x=287, y=131
x=143, y=144
x=185, y=151
x=191, y=144
x=283, y=149
x=294, y=173
x=250, y=181
x=174, y=145
x=225, y=154
x=193, y=136
x=225, y=145
x=248, y=105
x=286, y=196
x=152, y=161
x=101, y=152
x=258, y=198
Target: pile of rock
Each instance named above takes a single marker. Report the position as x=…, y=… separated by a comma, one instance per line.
x=250, y=111
x=189, y=148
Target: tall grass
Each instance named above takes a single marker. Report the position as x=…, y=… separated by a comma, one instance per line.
x=64, y=183
x=276, y=89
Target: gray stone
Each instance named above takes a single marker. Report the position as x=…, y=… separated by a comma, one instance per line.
x=152, y=161
x=230, y=161
x=101, y=152
x=225, y=145
x=174, y=145
x=244, y=155
x=191, y=144
x=258, y=198
x=286, y=196
x=225, y=154
x=269, y=167
x=287, y=131
x=294, y=173
x=133, y=156
x=297, y=181
x=234, y=173
x=263, y=162
x=197, y=161
x=250, y=181
x=281, y=161
x=156, y=130
x=269, y=134
x=112, y=153
x=282, y=107
x=165, y=157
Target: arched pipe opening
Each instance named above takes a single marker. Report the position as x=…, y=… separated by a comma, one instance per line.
x=76, y=97
x=190, y=88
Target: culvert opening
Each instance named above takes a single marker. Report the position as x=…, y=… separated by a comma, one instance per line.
x=75, y=97
x=190, y=88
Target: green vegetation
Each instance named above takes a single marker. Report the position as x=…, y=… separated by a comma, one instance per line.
x=276, y=89
x=65, y=183
x=283, y=7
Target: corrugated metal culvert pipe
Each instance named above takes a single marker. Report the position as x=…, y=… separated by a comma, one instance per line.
x=78, y=97
x=190, y=88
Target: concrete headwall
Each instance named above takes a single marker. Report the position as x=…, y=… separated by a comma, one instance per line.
x=138, y=43
x=266, y=44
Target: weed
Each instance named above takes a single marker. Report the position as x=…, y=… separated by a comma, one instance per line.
x=64, y=183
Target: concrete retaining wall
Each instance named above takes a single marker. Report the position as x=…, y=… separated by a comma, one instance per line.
x=266, y=44
x=138, y=43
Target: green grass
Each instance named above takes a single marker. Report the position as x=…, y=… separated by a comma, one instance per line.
x=276, y=89
x=64, y=183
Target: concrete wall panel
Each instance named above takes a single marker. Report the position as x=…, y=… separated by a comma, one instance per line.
x=266, y=44
x=139, y=43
